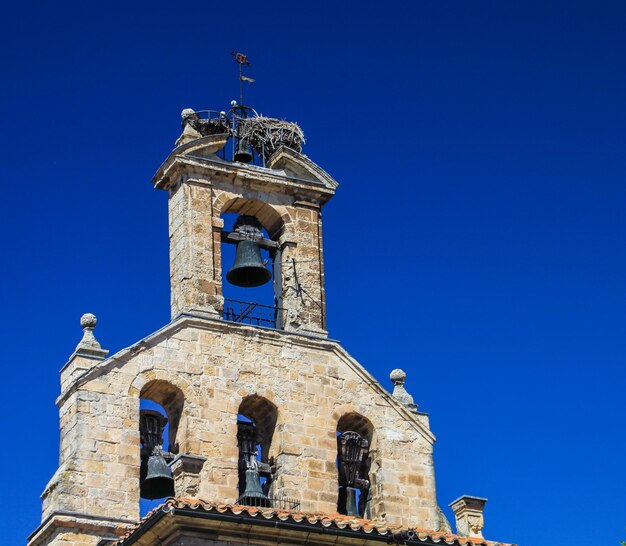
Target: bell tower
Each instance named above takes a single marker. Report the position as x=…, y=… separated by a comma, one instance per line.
x=239, y=162
x=243, y=422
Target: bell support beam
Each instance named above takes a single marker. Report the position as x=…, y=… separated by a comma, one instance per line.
x=232, y=237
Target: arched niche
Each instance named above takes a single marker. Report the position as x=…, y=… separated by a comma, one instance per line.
x=355, y=422
x=264, y=414
x=172, y=400
x=256, y=423
x=355, y=434
x=257, y=298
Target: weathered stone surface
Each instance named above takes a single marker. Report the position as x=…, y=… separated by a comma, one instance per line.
x=63, y=529
x=313, y=384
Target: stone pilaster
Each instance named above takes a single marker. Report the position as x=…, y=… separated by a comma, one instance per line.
x=186, y=473
x=195, y=287
x=303, y=272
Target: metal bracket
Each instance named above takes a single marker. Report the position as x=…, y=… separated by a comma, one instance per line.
x=232, y=237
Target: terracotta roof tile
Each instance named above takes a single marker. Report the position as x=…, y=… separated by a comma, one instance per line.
x=336, y=520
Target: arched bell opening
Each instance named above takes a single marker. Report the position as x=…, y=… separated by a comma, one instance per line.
x=256, y=422
x=354, y=440
x=160, y=411
x=251, y=264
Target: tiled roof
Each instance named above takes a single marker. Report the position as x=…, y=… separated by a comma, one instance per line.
x=333, y=521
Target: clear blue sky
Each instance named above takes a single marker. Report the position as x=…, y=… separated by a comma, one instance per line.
x=477, y=239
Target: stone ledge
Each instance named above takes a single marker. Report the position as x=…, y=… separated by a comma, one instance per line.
x=92, y=354
x=191, y=464
x=101, y=526
x=177, y=165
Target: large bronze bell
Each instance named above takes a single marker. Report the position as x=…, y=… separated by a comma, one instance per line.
x=248, y=269
x=158, y=482
x=243, y=153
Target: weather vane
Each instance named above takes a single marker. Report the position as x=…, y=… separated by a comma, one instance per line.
x=241, y=60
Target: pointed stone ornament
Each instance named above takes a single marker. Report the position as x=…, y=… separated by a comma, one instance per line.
x=398, y=377
x=88, y=322
x=88, y=345
x=86, y=355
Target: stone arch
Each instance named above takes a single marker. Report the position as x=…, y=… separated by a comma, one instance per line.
x=151, y=373
x=356, y=422
x=353, y=415
x=256, y=423
x=271, y=219
x=276, y=225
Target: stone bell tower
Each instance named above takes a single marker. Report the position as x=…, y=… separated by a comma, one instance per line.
x=285, y=196
x=274, y=432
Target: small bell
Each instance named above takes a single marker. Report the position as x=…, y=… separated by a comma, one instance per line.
x=253, y=495
x=243, y=153
x=155, y=477
x=158, y=482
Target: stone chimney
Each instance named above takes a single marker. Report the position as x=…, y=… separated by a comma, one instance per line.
x=468, y=513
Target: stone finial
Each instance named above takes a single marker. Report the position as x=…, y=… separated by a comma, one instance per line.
x=468, y=513
x=186, y=114
x=190, y=132
x=398, y=377
x=88, y=322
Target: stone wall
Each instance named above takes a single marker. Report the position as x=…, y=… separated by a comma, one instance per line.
x=216, y=365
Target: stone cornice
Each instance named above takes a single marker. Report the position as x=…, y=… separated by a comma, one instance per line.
x=291, y=160
x=101, y=526
x=177, y=165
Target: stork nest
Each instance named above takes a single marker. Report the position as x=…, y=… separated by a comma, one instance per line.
x=266, y=135
x=206, y=127
x=212, y=126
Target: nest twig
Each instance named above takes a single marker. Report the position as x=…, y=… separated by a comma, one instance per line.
x=266, y=135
